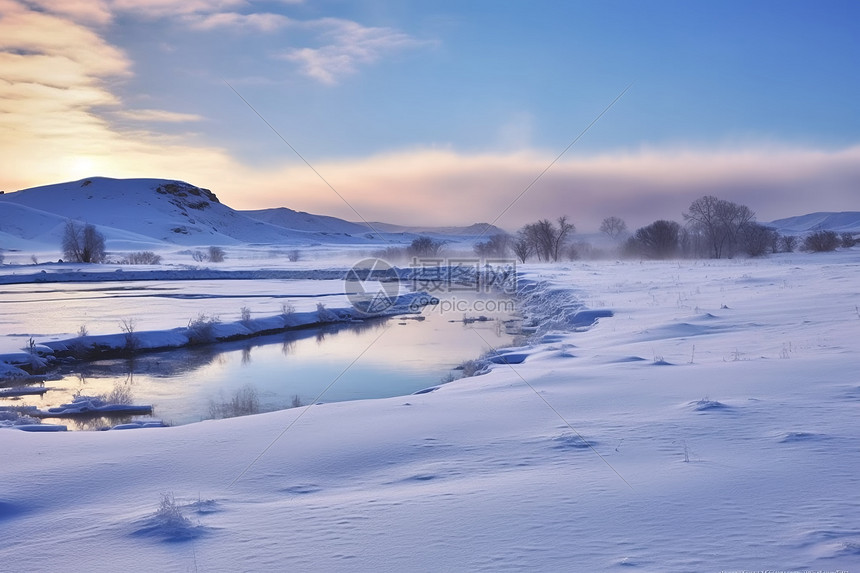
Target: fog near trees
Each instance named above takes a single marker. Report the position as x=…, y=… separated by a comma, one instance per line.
x=712, y=228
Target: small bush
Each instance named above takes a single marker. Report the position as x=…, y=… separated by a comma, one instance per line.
x=287, y=309
x=244, y=402
x=821, y=241
x=424, y=247
x=169, y=514
x=128, y=327
x=201, y=329
x=848, y=240
x=121, y=394
x=296, y=401
x=245, y=315
x=472, y=368
x=787, y=243
x=294, y=255
x=216, y=255
x=142, y=258
x=199, y=256
x=325, y=315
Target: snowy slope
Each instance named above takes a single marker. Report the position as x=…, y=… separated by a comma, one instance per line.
x=309, y=222
x=843, y=222
x=299, y=220
x=161, y=210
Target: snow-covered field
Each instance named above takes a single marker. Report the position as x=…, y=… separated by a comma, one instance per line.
x=710, y=424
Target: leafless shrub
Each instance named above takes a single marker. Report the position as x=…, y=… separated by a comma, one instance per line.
x=201, y=329
x=121, y=394
x=169, y=514
x=821, y=241
x=244, y=402
x=787, y=243
x=424, y=247
x=216, y=255
x=287, y=309
x=325, y=315
x=472, y=368
x=142, y=258
x=127, y=325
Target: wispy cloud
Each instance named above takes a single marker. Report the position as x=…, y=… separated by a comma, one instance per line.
x=86, y=11
x=54, y=96
x=162, y=8
x=158, y=115
x=262, y=22
x=348, y=45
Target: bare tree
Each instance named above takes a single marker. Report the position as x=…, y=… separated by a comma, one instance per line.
x=425, y=247
x=83, y=243
x=659, y=240
x=720, y=222
x=522, y=247
x=496, y=246
x=613, y=227
x=541, y=238
x=547, y=240
x=564, y=230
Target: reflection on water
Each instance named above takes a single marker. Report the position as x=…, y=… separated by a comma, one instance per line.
x=371, y=359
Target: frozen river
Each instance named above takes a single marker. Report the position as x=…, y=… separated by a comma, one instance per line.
x=378, y=358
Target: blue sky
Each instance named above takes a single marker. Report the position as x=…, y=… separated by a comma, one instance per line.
x=442, y=112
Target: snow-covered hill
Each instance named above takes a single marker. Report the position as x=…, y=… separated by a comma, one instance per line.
x=843, y=222
x=474, y=230
x=148, y=213
x=140, y=212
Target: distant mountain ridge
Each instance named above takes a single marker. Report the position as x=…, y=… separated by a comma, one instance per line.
x=840, y=222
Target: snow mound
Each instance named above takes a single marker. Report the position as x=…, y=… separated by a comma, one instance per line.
x=168, y=523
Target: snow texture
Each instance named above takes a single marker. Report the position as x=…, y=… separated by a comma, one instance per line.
x=583, y=456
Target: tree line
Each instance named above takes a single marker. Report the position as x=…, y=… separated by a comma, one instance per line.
x=713, y=228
